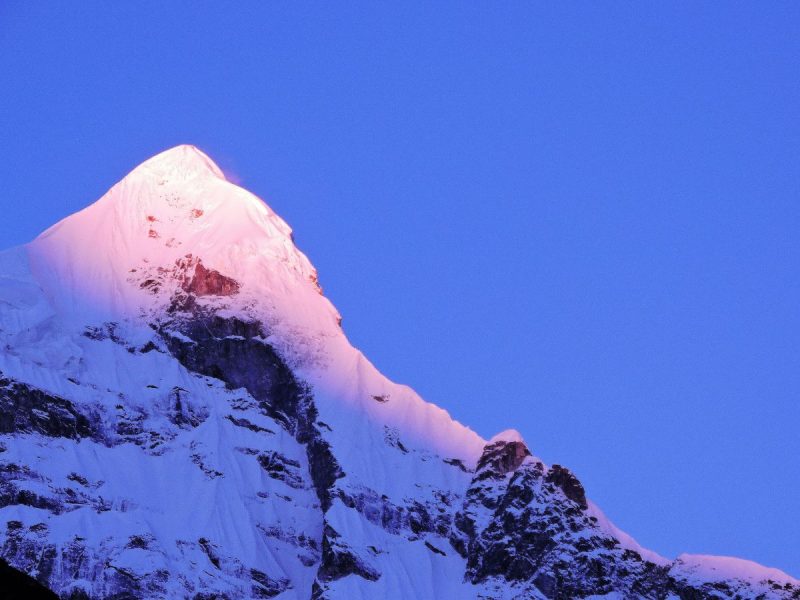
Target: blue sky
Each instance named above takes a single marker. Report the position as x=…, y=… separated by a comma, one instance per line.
x=580, y=221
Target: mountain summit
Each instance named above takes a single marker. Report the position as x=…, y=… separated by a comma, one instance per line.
x=182, y=416
x=181, y=162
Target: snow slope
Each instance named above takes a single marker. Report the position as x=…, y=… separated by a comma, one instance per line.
x=181, y=414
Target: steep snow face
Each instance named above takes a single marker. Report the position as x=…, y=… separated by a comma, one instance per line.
x=181, y=415
x=175, y=224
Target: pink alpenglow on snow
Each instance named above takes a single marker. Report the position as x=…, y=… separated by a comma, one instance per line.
x=722, y=568
x=509, y=435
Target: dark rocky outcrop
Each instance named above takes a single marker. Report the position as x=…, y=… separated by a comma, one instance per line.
x=26, y=409
x=208, y=282
x=339, y=560
x=568, y=483
x=182, y=412
x=235, y=351
x=22, y=486
x=411, y=519
x=501, y=457
x=265, y=586
x=242, y=422
x=281, y=468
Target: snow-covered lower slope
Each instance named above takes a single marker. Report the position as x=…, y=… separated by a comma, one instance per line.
x=181, y=416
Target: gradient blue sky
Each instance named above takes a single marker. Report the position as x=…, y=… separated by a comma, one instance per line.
x=580, y=221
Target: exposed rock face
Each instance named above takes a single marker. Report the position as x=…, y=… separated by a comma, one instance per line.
x=235, y=351
x=24, y=409
x=501, y=457
x=339, y=560
x=526, y=524
x=568, y=483
x=208, y=282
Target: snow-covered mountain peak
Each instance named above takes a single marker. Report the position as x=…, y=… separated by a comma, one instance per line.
x=182, y=416
x=174, y=237
x=180, y=162
x=509, y=435
x=116, y=256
